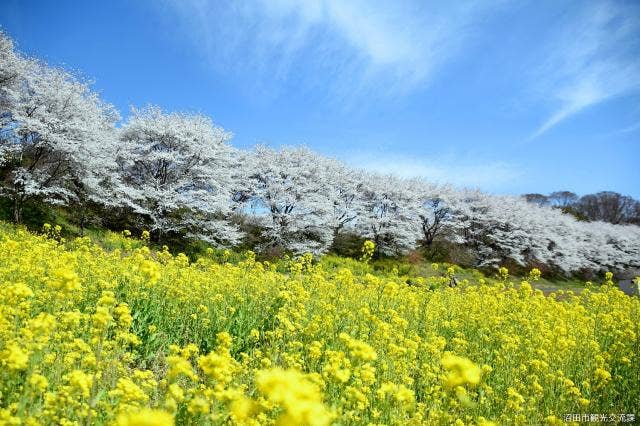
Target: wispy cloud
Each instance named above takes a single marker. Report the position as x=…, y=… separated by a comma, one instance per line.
x=594, y=58
x=629, y=129
x=633, y=128
x=494, y=176
x=362, y=51
x=353, y=47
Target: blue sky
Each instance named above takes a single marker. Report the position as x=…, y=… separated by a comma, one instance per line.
x=507, y=96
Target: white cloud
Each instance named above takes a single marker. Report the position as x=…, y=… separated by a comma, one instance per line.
x=492, y=176
x=358, y=46
x=357, y=52
x=630, y=129
x=593, y=59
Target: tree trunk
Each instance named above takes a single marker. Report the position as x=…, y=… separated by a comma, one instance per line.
x=82, y=220
x=17, y=210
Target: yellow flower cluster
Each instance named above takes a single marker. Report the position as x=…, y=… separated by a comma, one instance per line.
x=535, y=274
x=461, y=371
x=368, y=248
x=131, y=336
x=299, y=397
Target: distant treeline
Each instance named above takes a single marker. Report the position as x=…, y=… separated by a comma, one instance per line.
x=605, y=206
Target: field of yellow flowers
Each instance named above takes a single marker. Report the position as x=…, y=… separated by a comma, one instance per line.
x=134, y=336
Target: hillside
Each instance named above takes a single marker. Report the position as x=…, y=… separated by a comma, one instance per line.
x=113, y=331
x=177, y=175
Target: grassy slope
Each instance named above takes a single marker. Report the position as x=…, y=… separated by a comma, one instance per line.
x=112, y=240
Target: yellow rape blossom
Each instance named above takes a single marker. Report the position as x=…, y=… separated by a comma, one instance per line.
x=299, y=397
x=146, y=417
x=15, y=357
x=461, y=371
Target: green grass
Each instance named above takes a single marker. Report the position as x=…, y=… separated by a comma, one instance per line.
x=36, y=216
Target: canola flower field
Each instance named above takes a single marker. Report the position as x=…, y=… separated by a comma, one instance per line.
x=134, y=336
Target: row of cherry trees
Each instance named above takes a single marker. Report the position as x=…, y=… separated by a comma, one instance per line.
x=177, y=174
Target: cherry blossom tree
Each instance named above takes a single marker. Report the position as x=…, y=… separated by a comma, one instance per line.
x=11, y=76
x=56, y=136
x=292, y=199
x=434, y=210
x=177, y=169
x=389, y=211
x=347, y=186
x=11, y=73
